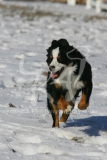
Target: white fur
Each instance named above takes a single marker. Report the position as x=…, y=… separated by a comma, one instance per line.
x=68, y=110
x=70, y=95
x=55, y=53
x=68, y=80
x=54, y=62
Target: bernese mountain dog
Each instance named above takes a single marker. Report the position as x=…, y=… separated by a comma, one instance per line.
x=69, y=74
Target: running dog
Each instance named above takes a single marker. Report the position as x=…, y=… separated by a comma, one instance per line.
x=69, y=74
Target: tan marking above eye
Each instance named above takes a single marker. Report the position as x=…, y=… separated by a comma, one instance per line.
x=58, y=57
x=51, y=57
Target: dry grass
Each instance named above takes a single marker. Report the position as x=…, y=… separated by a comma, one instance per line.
x=30, y=13
x=11, y=105
x=27, y=12
x=97, y=17
x=45, y=73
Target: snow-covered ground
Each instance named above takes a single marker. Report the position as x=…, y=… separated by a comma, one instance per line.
x=26, y=31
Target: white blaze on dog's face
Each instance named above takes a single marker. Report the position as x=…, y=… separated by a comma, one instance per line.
x=57, y=67
x=55, y=62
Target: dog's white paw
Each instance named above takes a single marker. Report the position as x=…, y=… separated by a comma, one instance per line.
x=68, y=110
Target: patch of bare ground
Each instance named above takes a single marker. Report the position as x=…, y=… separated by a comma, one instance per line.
x=45, y=73
x=26, y=11
x=95, y=17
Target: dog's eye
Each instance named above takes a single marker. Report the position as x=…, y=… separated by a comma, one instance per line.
x=50, y=57
x=58, y=58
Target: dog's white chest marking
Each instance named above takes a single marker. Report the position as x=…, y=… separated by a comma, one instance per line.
x=68, y=80
x=72, y=84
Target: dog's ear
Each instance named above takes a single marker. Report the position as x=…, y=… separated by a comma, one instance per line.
x=71, y=48
x=63, y=43
x=54, y=42
x=47, y=49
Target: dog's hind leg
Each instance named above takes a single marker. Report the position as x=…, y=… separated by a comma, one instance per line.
x=86, y=92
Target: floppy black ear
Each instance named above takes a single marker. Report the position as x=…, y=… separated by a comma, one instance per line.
x=54, y=42
x=47, y=50
x=63, y=43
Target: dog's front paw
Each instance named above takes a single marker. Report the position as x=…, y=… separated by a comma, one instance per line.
x=68, y=110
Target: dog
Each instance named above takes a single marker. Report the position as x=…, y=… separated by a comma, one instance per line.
x=69, y=74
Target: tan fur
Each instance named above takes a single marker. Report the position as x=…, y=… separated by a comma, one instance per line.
x=57, y=85
x=85, y=83
x=62, y=103
x=51, y=57
x=58, y=57
x=64, y=116
x=71, y=103
x=82, y=104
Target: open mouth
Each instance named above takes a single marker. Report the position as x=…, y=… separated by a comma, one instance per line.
x=57, y=74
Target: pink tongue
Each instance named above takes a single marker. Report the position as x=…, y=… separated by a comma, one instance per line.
x=54, y=76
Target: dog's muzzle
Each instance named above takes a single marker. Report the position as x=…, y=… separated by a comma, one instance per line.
x=56, y=74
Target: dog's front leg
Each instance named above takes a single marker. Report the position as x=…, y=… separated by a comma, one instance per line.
x=55, y=115
x=65, y=116
x=66, y=107
x=53, y=109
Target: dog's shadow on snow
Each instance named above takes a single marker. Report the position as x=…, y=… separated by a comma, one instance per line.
x=94, y=124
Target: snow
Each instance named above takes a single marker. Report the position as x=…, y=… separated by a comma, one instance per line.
x=25, y=130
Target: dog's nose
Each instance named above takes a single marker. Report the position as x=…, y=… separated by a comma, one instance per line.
x=52, y=68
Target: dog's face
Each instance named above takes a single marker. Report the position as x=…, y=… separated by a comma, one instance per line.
x=57, y=59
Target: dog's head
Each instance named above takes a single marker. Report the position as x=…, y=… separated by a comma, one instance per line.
x=57, y=58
